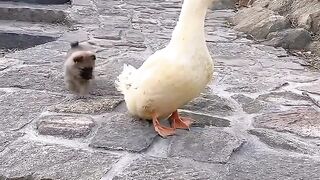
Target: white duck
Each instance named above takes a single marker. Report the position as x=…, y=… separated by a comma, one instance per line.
x=172, y=76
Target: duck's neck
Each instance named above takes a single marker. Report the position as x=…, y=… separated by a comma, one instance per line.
x=190, y=27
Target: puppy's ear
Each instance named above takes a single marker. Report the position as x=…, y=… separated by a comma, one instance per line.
x=93, y=57
x=78, y=59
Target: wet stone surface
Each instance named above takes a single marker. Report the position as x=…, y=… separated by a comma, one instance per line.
x=285, y=141
x=121, y=132
x=304, y=122
x=164, y=168
x=21, y=107
x=210, y=104
x=211, y=144
x=43, y=161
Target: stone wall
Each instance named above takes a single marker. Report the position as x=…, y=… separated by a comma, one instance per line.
x=292, y=24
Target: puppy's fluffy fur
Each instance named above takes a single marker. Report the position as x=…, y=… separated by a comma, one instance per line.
x=78, y=69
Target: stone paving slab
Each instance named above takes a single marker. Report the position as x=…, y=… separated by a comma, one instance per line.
x=207, y=145
x=44, y=161
x=68, y=126
x=22, y=106
x=164, y=168
x=301, y=121
x=121, y=132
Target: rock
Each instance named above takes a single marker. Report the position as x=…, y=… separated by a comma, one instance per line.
x=314, y=88
x=6, y=63
x=68, y=126
x=163, y=168
x=304, y=122
x=265, y=166
x=244, y=3
x=210, y=104
x=225, y=4
x=7, y=137
x=38, y=55
x=289, y=39
x=38, y=77
x=45, y=161
x=314, y=47
x=315, y=17
x=134, y=36
x=286, y=98
x=248, y=104
x=87, y=106
x=284, y=141
x=259, y=22
x=202, y=120
x=211, y=144
x=19, y=108
x=107, y=33
x=79, y=35
x=122, y=132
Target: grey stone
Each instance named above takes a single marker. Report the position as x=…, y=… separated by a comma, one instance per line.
x=314, y=88
x=202, y=120
x=226, y=4
x=289, y=39
x=46, y=161
x=93, y=105
x=37, y=55
x=165, y=168
x=266, y=166
x=7, y=137
x=18, y=108
x=314, y=47
x=122, y=132
x=211, y=144
x=33, y=13
x=72, y=36
x=259, y=22
x=134, y=36
x=279, y=52
x=6, y=63
x=286, y=98
x=242, y=89
x=107, y=33
x=121, y=22
x=68, y=126
x=210, y=104
x=251, y=80
x=248, y=104
x=302, y=78
x=284, y=141
x=301, y=121
x=38, y=77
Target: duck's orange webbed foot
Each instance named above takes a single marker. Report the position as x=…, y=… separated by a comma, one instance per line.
x=178, y=122
x=161, y=130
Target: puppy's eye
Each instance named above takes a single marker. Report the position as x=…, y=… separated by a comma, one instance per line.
x=78, y=59
x=93, y=57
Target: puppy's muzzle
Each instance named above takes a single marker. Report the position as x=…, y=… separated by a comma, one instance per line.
x=86, y=73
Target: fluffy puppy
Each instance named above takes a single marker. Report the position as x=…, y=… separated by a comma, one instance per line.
x=78, y=69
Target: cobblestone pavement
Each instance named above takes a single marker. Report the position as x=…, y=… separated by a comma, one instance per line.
x=259, y=118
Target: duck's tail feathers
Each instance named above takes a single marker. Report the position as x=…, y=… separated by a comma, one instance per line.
x=125, y=79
